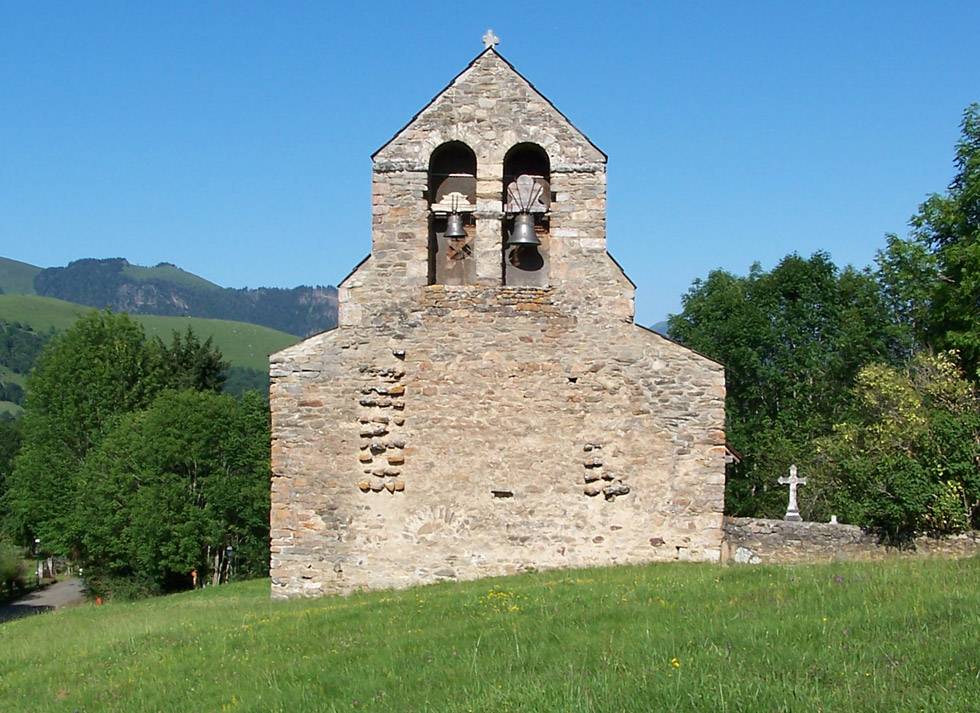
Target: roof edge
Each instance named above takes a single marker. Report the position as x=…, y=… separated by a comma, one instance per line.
x=680, y=344
x=621, y=268
x=354, y=269
x=467, y=68
x=304, y=340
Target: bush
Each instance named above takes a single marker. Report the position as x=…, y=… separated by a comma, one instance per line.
x=169, y=489
x=12, y=570
x=905, y=461
x=946, y=513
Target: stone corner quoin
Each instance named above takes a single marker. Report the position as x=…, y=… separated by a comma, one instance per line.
x=485, y=408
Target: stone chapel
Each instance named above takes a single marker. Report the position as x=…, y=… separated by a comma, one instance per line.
x=486, y=404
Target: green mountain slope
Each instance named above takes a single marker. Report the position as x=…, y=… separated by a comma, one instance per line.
x=246, y=345
x=167, y=272
x=169, y=291
x=7, y=408
x=7, y=376
x=898, y=635
x=17, y=277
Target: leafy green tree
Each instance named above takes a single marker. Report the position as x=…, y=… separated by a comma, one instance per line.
x=11, y=392
x=906, y=459
x=949, y=225
x=170, y=488
x=19, y=346
x=189, y=363
x=242, y=379
x=908, y=275
x=792, y=341
x=12, y=569
x=83, y=380
x=10, y=440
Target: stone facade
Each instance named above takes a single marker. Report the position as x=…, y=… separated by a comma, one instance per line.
x=454, y=432
x=757, y=541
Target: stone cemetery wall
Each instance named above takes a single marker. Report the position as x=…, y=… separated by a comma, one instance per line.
x=757, y=541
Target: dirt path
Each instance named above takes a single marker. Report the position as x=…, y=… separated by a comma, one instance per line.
x=63, y=593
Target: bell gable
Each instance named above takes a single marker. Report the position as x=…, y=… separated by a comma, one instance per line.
x=489, y=95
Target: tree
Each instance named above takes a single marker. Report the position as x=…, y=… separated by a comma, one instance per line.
x=102, y=368
x=792, y=341
x=906, y=459
x=908, y=275
x=170, y=488
x=10, y=440
x=189, y=363
x=241, y=379
x=12, y=570
x=19, y=346
x=949, y=225
x=83, y=380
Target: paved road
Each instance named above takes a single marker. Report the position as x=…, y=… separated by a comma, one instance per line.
x=63, y=593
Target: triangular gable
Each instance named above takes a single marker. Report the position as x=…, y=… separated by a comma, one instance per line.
x=497, y=55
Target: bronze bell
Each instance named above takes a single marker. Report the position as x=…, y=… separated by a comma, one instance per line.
x=523, y=232
x=454, y=227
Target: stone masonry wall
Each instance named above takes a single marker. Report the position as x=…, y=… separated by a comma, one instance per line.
x=457, y=432
x=757, y=541
x=491, y=108
x=489, y=432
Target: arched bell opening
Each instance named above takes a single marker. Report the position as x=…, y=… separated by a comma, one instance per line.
x=527, y=201
x=452, y=201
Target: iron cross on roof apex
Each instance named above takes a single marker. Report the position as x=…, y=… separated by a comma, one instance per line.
x=490, y=40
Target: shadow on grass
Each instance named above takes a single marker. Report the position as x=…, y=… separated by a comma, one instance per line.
x=16, y=611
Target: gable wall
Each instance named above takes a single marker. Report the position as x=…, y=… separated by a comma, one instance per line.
x=392, y=432
x=491, y=389
x=490, y=108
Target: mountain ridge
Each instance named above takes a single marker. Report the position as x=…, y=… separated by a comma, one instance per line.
x=17, y=277
x=167, y=290
x=28, y=321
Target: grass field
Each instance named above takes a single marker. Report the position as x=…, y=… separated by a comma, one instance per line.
x=17, y=277
x=170, y=273
x=8, y=376
x=11, y=408
x=242, y=344
x=891, y=636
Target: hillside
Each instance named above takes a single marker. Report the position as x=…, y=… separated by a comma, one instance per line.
x=167, y=272
x=167, y=290
x=17, y=277
x=245, y=345
x=19, y=348
x=894, y=635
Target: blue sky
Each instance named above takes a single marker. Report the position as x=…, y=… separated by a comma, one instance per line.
x=234, y=138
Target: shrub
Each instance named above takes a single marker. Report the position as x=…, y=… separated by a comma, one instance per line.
x=907, y=458
x=11, y=568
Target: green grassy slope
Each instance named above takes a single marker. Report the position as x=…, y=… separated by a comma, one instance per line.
x=171, y=273
x=41, y=313
x=11, y=408
x=8, y=375
x=242, y=344
x=17, y=277
x=890, y=636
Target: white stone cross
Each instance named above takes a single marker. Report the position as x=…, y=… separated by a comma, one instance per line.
x=792, y=510
x=490, y=39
